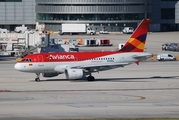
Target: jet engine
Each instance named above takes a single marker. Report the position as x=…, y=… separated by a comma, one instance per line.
x=73, y=73
x=49, y=74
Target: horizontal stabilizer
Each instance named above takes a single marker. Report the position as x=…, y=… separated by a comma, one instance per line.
x=143, y=56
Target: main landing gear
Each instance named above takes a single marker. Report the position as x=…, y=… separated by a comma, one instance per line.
x=90, y=78
x=37, y=79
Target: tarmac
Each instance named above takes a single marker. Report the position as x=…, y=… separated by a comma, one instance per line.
x=148, y=90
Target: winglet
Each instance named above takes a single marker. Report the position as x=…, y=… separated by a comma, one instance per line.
x=136, y=42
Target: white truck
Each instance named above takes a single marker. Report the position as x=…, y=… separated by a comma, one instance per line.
x=76, y=29
x=3, y=30
x=128, y=30
x=21, y=29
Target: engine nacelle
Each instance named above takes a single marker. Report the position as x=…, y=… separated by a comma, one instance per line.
x=50, y=74
x=73, y=73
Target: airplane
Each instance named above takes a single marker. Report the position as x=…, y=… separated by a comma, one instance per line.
x=76, y=65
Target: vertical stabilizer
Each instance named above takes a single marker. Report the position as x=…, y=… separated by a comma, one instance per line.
x=136, y=42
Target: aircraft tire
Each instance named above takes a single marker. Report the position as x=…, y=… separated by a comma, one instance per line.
x=90, y=78
x=37, y=79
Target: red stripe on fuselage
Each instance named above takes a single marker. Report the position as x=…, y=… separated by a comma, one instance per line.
x=67, y=56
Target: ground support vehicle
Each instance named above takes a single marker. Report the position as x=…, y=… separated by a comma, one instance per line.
x=76, y=29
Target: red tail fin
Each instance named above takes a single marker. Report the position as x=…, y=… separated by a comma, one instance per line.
x=136, y=42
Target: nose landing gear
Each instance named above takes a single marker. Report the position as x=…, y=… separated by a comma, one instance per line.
x=37, y=79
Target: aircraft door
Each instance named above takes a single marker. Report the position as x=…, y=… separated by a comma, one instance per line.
x=41, y=64
x=40, y=60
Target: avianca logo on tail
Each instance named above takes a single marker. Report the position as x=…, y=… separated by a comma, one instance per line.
x=56, y=57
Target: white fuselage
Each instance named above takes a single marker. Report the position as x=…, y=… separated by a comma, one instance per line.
x=49, y=67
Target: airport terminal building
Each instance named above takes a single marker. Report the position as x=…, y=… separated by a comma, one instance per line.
x=112, y=15
x=177, y=12
x=164, y=15
x=17, y=13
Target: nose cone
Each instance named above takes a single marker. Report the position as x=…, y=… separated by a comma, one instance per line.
x=17, y=66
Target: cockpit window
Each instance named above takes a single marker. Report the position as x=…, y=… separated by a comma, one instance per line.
x=26, y=60
x=22, y=60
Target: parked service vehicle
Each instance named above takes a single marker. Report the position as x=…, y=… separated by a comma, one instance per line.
x=128, y=30
x=165, y=57
x=165, y=46
x=173, y=47
x=103, y=31
x=21, y=29
x=3, y=30
x=121, y=45
x=77, y=29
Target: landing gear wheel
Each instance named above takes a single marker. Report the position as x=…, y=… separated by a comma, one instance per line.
x=90, y=78
x=91, y=33
x=37, y=79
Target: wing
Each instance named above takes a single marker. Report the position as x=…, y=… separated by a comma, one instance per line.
x=90, y=67
x=99, y=67
x=103, y=65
